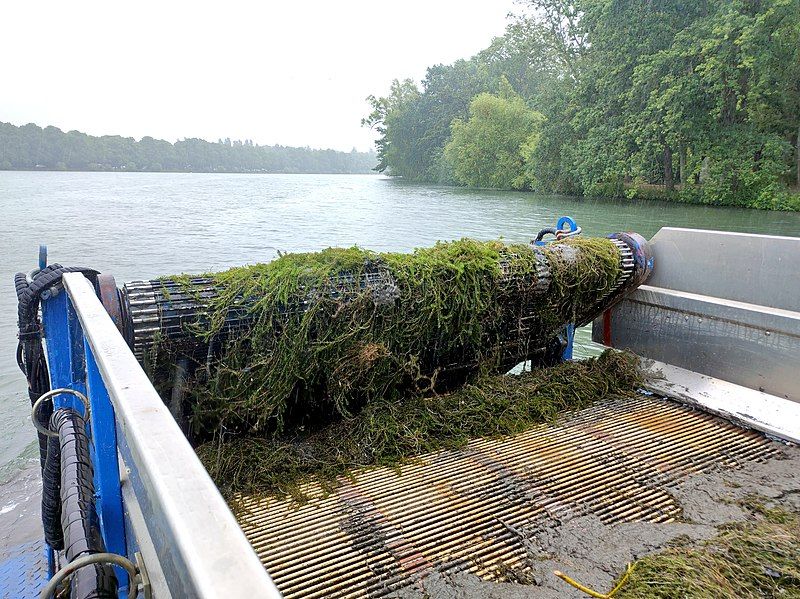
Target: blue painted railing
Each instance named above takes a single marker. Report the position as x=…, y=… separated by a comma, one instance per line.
x=72, y=365
x=155, y=502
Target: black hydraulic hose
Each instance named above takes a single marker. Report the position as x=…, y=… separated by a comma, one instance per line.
x=31, y=360
x=30, y=353
x=20, y=284
x=47, y=277
x=79, y=521
x=546, y=231
x=51, y=495
x=35, y=368
x=20, y=360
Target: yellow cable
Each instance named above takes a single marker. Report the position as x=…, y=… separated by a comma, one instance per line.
x=622, y=581
x=591, y=592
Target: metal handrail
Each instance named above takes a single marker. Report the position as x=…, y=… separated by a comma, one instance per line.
x=202, y=551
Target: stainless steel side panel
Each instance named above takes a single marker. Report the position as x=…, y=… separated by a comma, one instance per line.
x=751, y=409
x=726, y=305
x=756, y=269
x=745, y=344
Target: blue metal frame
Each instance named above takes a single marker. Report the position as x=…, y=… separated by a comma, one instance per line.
x=566, y=224
x=569, y=334
x=72, y=365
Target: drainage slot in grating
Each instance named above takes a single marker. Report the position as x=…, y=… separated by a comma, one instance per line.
x=461, y=510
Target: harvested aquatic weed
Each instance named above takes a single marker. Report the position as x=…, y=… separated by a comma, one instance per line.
x=745, y=560
x=320, y=335
x=388, y=432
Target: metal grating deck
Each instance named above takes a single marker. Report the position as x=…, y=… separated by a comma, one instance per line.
x=463, y=510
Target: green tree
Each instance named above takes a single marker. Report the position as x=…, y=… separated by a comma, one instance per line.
x=490, y=149
x=386, y=111
x=31, y=147
x=699, y=98
x=725, y=92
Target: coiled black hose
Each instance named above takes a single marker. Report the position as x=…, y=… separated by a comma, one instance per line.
x=79, y=520
x=32, y=362
x=30, y=353
x=545, y=231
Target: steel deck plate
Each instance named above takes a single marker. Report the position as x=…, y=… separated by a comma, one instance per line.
x=462, y=510
x=23, y=571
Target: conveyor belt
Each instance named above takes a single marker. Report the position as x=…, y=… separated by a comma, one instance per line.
x=464, y=510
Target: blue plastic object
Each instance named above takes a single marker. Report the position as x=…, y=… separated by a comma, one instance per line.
x=567, y=220
x=569, y=335
x=566, y=227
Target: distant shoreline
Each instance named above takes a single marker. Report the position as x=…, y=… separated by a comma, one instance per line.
x=32, y=148
x=198, y=172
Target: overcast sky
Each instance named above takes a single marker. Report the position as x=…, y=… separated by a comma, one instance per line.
x=291, y=73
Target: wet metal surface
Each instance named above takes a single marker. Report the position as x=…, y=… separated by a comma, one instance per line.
x=726, y=305
x=466, y=510
x=23, y=570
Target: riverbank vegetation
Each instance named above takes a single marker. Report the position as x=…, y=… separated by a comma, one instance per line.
x=32, y=148
x=695, y=102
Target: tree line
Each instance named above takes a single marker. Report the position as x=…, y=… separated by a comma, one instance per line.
x=692, y=101
x=30, y=147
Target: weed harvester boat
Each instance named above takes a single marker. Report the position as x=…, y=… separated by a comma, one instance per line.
x=129, y=510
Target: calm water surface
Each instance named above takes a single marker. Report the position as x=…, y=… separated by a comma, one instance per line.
x=142, y=225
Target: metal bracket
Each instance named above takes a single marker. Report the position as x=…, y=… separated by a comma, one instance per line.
x=565, y=227
x=143, y=578
x=50, y=395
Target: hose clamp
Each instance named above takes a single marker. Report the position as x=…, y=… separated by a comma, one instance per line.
x=50, y=395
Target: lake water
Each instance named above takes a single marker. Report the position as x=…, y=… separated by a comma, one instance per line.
x=142, y=225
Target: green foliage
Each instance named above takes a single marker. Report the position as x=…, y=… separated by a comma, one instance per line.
x=745, y=560
x=30, y=147
x=700, y=98
x=491, y=148
x=323, y=342
x=418, y=129
x=389, y=432
x=417, y=125
x=391, y=107
x=733, y=179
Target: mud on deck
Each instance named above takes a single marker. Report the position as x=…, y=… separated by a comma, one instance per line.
x=476, y=510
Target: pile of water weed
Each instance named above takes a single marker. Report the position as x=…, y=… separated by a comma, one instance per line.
x=390, y=432
x=332, y=331
x=753, y=559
